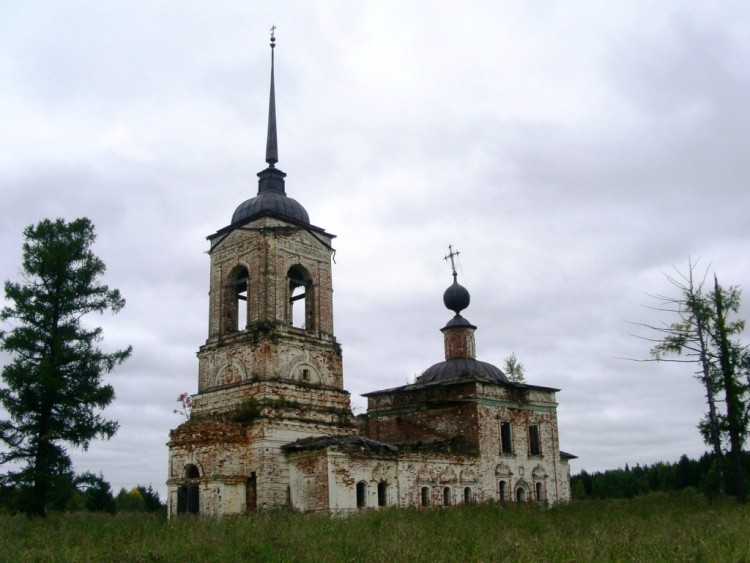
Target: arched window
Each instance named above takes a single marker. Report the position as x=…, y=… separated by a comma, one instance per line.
x=382, y=493
x=361, y=494
x=235, y=301
x=447, y=496
x=539, y=491
x=468, y=497
x=301, y=298
x=502, y=491
x=192, y=472
x=425, y=496
x=520, y=495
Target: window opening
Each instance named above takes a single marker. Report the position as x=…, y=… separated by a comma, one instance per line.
x=300, y=298
x=534, y=448
x=251, y=492
x=298, y=309
x=521, y=495
x=305, y=375
x=505, y=441
x=382, y=493
x=236, y=305
x=361, y=494
x=181, y=499
x=188, y=499
x=447, y=496
x=425, y=496
x=501, y=490
x=188, y=495
x=538, y=491
x=468, y=497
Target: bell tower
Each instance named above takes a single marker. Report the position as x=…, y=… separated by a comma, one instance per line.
x=271, y=296
x=270, y=371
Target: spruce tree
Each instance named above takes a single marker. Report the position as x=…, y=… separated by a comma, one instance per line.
x=53, y=390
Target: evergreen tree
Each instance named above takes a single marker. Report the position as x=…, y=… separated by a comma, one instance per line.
x=98, y=496
x=53, y=385
x=731, y=364
x=131, y=501
x=578, y=491
x=151, y=500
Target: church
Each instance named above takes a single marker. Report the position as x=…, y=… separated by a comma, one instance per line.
x=272, y=426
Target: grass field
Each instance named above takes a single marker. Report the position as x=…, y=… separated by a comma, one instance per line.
x=655, y=528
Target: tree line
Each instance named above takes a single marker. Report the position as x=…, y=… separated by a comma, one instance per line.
x=698, y=475
x=85, y=492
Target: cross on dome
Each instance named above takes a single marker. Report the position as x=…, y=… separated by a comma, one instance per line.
x=450, y=256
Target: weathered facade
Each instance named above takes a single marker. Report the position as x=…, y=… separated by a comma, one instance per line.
x=272, y=426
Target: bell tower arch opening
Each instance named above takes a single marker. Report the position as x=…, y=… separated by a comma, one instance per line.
x=235, y=300
x=301, y=313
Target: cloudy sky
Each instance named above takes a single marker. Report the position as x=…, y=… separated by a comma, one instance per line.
x=573, y=152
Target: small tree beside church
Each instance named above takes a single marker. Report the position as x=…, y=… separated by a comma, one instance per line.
x=53, y=387
x=514, y=369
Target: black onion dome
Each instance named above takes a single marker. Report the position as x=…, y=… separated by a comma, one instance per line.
x=271, y=203
x=456, y=297
x=460, y=368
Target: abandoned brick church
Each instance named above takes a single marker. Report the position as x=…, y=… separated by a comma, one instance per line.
x=272, y=426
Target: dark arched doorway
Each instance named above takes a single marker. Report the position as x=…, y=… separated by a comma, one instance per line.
x=188, y=494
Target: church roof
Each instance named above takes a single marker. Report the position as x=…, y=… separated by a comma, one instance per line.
x=345, y=441
x=461, y=367
x=454, y=444
x=271, y=204
x=456, y=381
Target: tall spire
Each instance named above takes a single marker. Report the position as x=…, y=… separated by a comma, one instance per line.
x=272, y=148
x=272, y=179
x=271, y=198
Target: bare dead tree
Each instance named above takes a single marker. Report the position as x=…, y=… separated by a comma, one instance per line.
x=706, y=336
x=688, y=338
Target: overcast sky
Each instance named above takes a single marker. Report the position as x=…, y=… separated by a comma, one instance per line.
x=573, y=152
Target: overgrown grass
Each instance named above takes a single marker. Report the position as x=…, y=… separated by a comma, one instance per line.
x=653, y=528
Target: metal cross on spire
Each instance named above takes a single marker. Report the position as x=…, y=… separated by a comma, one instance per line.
x=450, y=256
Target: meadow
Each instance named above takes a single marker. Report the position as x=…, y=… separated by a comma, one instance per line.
x=657, y=527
